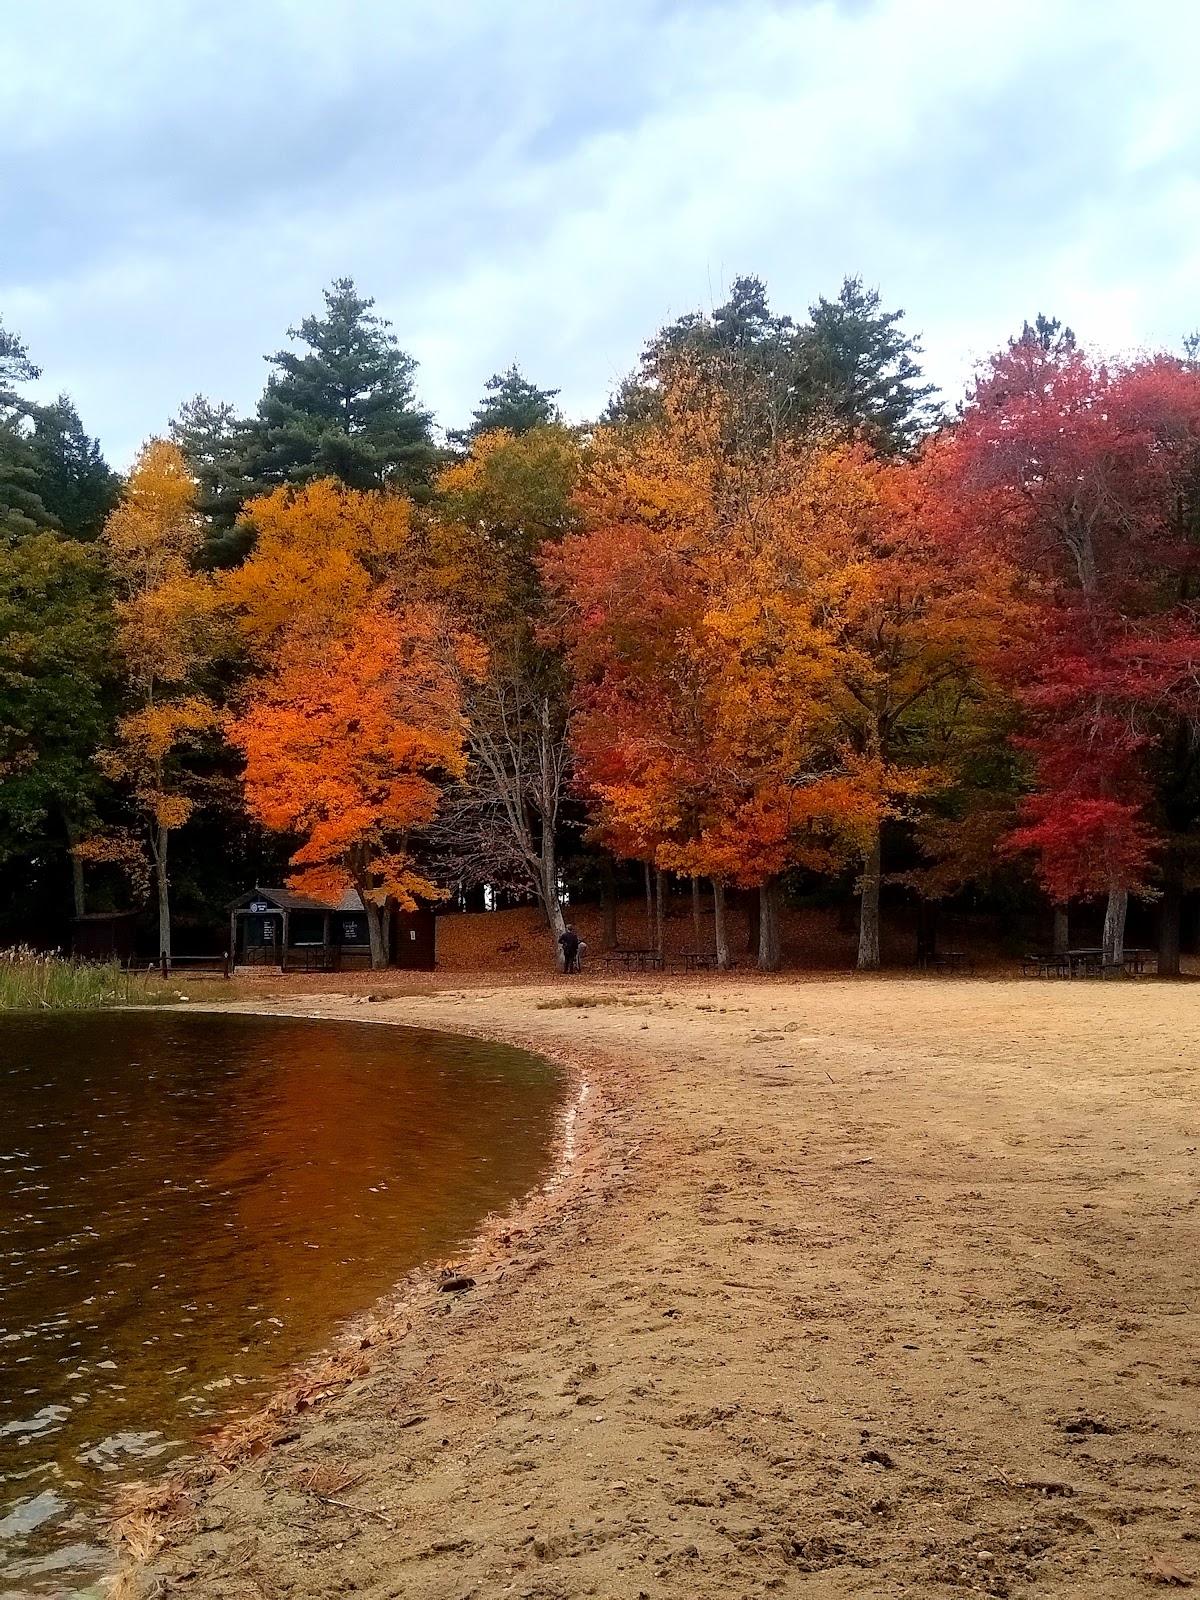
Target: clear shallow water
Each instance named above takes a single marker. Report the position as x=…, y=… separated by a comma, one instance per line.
x=191, y=1204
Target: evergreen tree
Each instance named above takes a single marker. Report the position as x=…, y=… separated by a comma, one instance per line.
x=510, y=402
x=345, y=408
x=855, y=362
x=850, y=364
x=1049, y=334
x=22, y=511
x=213, y=439
x=75, y=483
x=742, y=343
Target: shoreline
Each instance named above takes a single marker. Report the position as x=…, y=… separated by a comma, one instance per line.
x=146, y=1511
x=847, y=1289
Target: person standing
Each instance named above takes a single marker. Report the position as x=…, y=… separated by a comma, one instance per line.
x=568, y=941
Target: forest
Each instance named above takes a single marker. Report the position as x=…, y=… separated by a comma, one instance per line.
x=776, y=621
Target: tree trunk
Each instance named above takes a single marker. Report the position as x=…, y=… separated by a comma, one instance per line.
x=377, y=931
x=649, y=905
x=1062, y=930
x=868, y=916
x=696, y=933
x=159, y=841
x=768, y=926
x=752, y=921
x=78, y=897
x=548, y=889
x=1170, y=912
x=719, y=934
x=608, y=902
x=659, y=875
x=1114, y=929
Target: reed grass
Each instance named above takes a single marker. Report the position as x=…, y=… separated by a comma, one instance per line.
x=31, y=980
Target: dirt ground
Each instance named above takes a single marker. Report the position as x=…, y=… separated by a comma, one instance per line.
x=852, y=1287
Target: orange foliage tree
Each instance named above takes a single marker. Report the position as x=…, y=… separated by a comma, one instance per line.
x=353, y=725
x=349, y=749
x=773, y=654
x=165, y=640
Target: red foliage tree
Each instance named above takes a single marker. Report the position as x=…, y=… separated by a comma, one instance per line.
x=1085, y=475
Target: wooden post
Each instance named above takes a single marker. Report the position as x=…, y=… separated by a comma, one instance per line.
x=232, y=937
x=283, y=949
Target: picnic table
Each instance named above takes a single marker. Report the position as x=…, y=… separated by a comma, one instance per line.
x=1087, y=961
x=694, y=960
x=946, y=961
x=631, y=959
x=638, y=959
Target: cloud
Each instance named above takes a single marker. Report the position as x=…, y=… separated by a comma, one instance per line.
x=549, y=183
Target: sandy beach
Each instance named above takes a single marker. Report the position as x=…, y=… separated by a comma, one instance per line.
x=850, y=1287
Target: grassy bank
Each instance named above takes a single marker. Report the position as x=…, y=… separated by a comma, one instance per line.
x=32, y=981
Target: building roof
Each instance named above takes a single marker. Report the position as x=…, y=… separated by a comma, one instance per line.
x=288, y=900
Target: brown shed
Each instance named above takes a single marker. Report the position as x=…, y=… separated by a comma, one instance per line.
x=294, y=933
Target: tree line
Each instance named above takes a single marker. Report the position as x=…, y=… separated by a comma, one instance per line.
x=774, y=620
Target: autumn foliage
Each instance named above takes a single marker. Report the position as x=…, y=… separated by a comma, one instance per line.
x=1086, y=474
x=348, y=749
x=355, y=723
x=772, y=655
x=732, y=633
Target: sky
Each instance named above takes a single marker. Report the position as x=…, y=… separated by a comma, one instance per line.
x=548, y=181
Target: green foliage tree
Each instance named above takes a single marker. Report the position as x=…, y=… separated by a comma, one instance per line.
x=850, y=367
x=22, y=510
x=213, y=439
x=344, y=408
x=76, y=485
x=854, y=360
x=510, y=402
x=56, y=689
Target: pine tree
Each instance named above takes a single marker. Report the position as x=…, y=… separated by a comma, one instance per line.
x=346, y=408
x=22, y=511
x=850, y=366
x=75, y=483
x=854, y=360
x=510, y=402
x=212, y=439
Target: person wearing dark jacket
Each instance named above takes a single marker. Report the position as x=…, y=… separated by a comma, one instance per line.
x=568, y=942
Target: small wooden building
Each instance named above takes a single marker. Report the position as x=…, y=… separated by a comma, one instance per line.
x=288, y=931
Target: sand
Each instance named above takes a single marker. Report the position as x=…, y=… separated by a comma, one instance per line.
x=852, y=1287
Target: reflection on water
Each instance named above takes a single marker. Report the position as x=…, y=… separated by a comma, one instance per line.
x=189, y=1204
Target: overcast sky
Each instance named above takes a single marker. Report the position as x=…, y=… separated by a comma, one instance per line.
x=549, y=180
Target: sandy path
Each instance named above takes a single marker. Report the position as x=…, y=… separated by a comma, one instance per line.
x=855, y=1288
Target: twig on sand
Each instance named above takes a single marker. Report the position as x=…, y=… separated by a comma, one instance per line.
x=358, y=1511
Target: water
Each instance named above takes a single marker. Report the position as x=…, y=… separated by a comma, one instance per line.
x=189, y=1204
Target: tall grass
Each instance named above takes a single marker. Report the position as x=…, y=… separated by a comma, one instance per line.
x=33, y=981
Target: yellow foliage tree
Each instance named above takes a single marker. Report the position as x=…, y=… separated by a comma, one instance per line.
x=165, y=641
x=321, y=554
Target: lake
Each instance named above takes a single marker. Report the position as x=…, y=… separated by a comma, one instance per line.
x=190, y=1204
